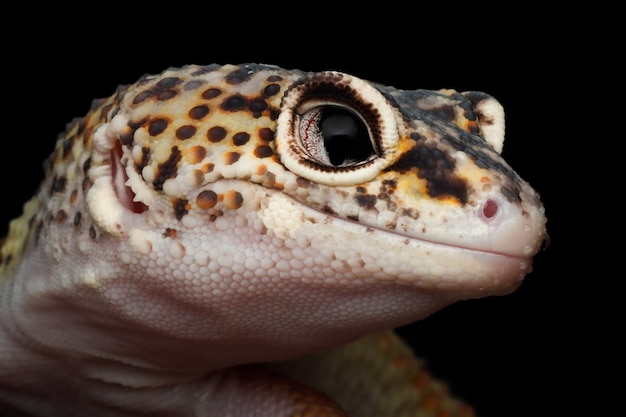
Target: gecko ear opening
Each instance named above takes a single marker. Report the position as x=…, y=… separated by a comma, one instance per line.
x=119, y=177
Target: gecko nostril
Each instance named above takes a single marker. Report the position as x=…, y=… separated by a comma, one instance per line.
x=490, y=209
x=124, y=193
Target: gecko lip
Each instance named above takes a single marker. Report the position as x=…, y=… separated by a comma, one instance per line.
x=501, y=232
x=466, y=248
x=514, y=237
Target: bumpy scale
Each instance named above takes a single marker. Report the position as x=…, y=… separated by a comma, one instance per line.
x=239, y=240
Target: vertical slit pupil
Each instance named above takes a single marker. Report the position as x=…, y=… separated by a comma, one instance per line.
x=346, y=136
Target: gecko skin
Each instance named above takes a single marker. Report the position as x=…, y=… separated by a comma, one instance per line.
x=241, y=241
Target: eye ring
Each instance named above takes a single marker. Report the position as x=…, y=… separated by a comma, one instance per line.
x=364, y=129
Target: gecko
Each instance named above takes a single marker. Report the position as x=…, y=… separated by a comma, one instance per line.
x=242, y=240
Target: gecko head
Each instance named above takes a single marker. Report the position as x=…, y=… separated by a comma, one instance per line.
x=340, y=203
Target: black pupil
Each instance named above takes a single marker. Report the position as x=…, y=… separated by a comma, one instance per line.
x=346, y=137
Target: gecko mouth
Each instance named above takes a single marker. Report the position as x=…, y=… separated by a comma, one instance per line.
x=124, y=193
x=438, y=243
x=495, y=228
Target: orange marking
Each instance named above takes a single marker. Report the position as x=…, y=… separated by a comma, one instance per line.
x=233, y=199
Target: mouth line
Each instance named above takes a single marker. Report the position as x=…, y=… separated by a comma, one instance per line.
x=449, y=245
x=399, y=234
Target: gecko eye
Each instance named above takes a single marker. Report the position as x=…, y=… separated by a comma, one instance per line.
x=336, y=129
x=336, y=136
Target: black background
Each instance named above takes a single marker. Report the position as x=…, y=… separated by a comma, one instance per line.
x=516, y=355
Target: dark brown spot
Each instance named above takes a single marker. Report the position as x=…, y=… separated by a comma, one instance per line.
x=198, y=112
x=366, y=201
x=263, y=151
x=271, y=90
x=206, y=199
x=211, y=93
x=86, y=165
x=169, y=232
x=126, y=137
x=185, y=132
x=167, y=169
x=257, y=106
x=166, y=95
x=157, y=126
x=390, y=185
x=145, y=154
x=216, y=134
x=58, y=184
x=77, y=218
x=445, y=111
x=274, y=78
x=266, y=134
x=92, y=233
x=231, y=157
x=410, y=212
x=241, y=138
x=142, y=96
x=61, y=216
x=235, y=102
x=181, y=207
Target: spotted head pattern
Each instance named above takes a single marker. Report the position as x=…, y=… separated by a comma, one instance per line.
x=185, y=147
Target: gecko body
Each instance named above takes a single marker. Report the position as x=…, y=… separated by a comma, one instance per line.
x=237, y=240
